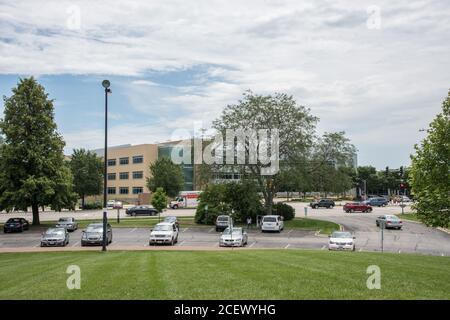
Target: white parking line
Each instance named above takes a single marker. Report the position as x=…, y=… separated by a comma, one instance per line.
x=133, y=230
x=289, y=232
x=323, y=247
x=181, y=243
x=360, y=249
x=75, y=244
x=252, y=244
x=287, y=246
x=185, y=230
x=211, y=230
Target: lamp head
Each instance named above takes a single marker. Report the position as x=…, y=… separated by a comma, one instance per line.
x=106, y=84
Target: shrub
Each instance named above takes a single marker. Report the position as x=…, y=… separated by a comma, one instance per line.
x=93, y=206
x=284, y=210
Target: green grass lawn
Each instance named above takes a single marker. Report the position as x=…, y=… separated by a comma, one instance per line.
x=408, y=216
x=248, y=274
x=148, y=222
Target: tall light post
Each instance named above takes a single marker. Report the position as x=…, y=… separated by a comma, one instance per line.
x=106, y=84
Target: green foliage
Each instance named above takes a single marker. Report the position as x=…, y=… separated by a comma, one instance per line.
x=32, y=169
x=93, y=206
x=87, y=170
x=430, y=172
x=167, y=175
x=241, y=197
x=214, y=197
x=284, y=210
x=159, y=199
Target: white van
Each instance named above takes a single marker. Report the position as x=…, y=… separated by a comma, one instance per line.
x=272, y=223
x=186, y=199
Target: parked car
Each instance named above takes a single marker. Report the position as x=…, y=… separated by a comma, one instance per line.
x=405, y=199
x=110, y=204
x=236, y=238
x=389, y=221
x=272, y=223
x=172, y=219
x=55, y=237
x=164, y=233
x=141, y=211
x=341, y=240
x=118, y=205
x=68, y=223
x=357, y=206
x=16, y=224
x=377, y=202
x=322, y=203
x=222, y=222
x=93, y=235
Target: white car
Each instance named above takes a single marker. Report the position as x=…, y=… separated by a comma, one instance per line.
x=341, y=240
x=272, y=223
x=237, y=238
x=164, y=233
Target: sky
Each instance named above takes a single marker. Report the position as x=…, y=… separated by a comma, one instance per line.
x=378, y=70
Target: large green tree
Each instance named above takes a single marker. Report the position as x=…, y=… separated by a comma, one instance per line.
x=429, y=176
x=87, y=170
x=32, y=169
x=280, y=112
x=167, y=175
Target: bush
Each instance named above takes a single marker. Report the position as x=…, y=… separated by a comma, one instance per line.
x=284, y=210
x=93, y=206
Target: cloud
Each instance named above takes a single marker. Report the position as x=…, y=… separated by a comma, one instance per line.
x=378, y=85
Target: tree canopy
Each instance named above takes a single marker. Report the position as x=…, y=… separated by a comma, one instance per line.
x=167, y=175
x=430, y=171
x=32, y=168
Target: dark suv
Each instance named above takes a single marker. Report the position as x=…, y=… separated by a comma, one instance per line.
x=322, y=203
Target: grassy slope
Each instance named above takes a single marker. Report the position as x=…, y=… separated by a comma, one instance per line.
x=144, y=222
x=252, y=274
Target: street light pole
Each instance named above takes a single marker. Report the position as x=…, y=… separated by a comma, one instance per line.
x=105, y=85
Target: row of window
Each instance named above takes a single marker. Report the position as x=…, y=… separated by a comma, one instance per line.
x=125, y=175
x=125, y=190
x=125, y=161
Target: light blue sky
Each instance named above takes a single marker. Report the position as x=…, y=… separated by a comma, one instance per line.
x=172, y=63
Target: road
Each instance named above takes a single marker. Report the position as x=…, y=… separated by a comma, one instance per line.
x=413, y=238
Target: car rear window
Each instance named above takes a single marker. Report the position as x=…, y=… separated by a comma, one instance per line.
x=269, y=219
x=13, y=220
x=222, y=218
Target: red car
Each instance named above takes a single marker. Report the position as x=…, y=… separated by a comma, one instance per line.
x=357, y=206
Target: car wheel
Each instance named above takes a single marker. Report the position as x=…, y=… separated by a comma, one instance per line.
x=350, y=211
x=370, y=210
x=175, y=207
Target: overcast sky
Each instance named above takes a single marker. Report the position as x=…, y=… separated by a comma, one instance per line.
x=378, y=70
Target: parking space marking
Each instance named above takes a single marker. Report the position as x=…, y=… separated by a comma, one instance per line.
x=133, y=230
x=290, y=231
x=252, y=244
x=211, y=230
x=75, y=244
x=287, y=246
x=181, y=243
x=323, y=247
x=185, y=230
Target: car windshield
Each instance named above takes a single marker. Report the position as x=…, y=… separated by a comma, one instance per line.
x=222, y=219
x=163, y=227
x=269, y=219
x=170, y=219
x=13, y=220
x=64, y=219
x=341, y=235
x=235, y=231
x=392, y=217
x=95, y=228
x=57, y=232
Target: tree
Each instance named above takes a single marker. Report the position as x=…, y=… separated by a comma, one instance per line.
x=212, y=202
x=87, y=170
x=159, y=200
x=32, y=169
x=167, y=175
x=429, y=176
x=243, y=199
x=280, y=112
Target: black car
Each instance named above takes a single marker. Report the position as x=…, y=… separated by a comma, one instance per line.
x=16, y=224
x=322, y=203
x=141, y=211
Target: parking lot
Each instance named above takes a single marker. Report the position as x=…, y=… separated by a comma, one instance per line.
x=413, y=238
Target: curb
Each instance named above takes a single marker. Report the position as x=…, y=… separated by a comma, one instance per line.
x=443, y=230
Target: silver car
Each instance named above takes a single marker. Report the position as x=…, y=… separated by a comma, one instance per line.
x=93, y=235
x=68, y=223
x=222, y=222
x=55, y=237
x=389, y=221
x=237, y=238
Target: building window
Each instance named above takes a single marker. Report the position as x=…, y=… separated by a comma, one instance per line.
x=123, y=176
x=111, y=176
x=137, y=190
x=111, y=162
x=124, y=161
x=138, y=159
x=138, y=174
x=123, y=190
x=111, y=190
